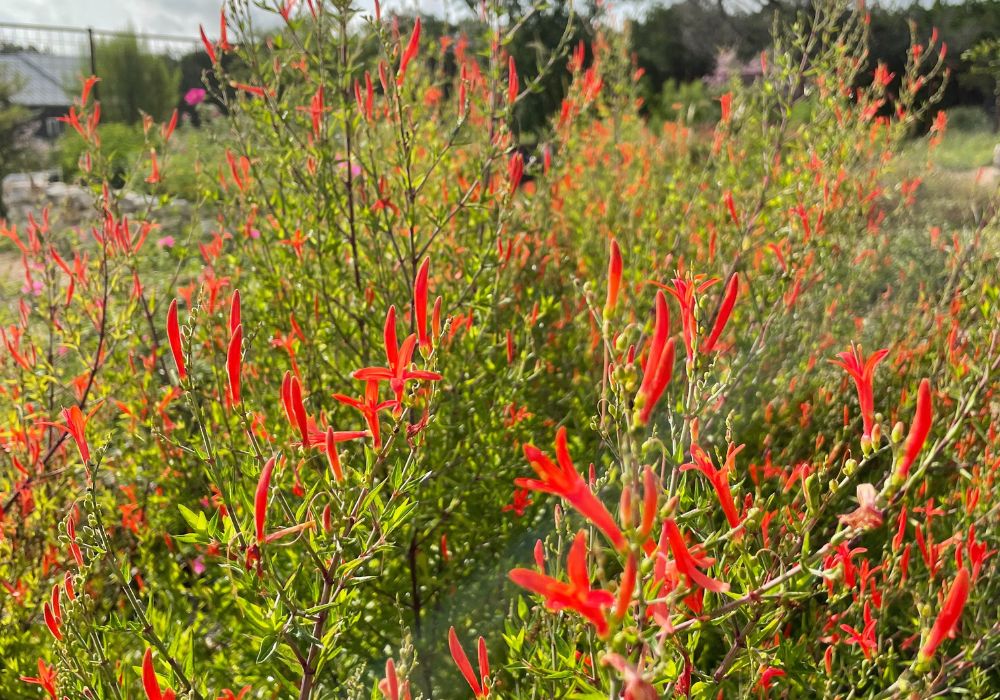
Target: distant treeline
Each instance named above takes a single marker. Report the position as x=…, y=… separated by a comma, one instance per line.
x=678, y=45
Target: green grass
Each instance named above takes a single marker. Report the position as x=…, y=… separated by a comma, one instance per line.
x=956, y=178
x=967, y=145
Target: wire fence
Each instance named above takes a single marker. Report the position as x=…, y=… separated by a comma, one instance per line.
x=80, y=42
x=45, y=63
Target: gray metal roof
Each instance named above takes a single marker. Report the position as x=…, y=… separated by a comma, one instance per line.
x=44, y=80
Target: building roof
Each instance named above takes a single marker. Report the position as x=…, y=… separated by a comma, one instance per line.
x=43, y=80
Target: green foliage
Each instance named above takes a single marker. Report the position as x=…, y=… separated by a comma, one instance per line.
x=689, y=103
x=134, y=81
x=122, y=144
x=224, y=544
x=13, y=142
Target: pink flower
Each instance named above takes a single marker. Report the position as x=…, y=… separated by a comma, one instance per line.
x=166, y=242
x=194, y=96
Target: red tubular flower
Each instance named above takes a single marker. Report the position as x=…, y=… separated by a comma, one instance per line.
x=725, y=310
x=298, y=409
x=731, y=206
x=719, y=478
x=224, y=44
x=154, y=175
x=46, y=678
x=862, y=372
x=478, y=685
x=614, y=278
x=513, y=84
x=576, y=594
x=647, y=397
x=947, y=619
x=564, y=481
x=260, y=498
x=636, y=687
x=369, y=406
x=234, y=363
x=168, y=130
x=919, y=430
x=149, y=681
x=686, y=562
x=88, y=85
x=235, y=316
x=650, y=496
x=76, y=426
x=398, y=372
x=664, y=370
x=436, y=318
x=332, y=455
x=515, y=170
x=411, y=51
x=389, y=337
x=389, y=686
x=684, y=292
x=209, y=49
x=484, y=664
x=420, y=306
x=627, y=587
x=74, y=548
x=726, y=102
x=52, y=622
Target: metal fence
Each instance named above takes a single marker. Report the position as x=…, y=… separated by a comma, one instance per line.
x=45, y=63
x=78, y=41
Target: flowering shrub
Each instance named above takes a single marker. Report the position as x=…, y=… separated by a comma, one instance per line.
x=675, y=413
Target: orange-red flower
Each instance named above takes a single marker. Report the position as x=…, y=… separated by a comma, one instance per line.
x=370, y=406
x=919, y=430
x=260, y=498
x=410, y=53
x=684, y=292
x=719, y=478
x=564, y=481
x=420, y=307
x=329, y=444
x=234, y=363
x=174, y=338
x=478, y=685
x=576, y=594
x=614, y=278
x=46, y=678
x=862, y=372
x=725, y=311
x=947, y=619
x=398, y=359
x=75, y=424
x=149, y=681
x=390, y=687
x=659, y=364
x=686, y=562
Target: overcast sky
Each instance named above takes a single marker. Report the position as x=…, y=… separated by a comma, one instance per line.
x=180, y=17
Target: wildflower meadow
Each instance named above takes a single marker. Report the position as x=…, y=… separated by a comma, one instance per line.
x=411, y=405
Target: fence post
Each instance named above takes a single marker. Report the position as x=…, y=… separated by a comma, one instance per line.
x=93, y=58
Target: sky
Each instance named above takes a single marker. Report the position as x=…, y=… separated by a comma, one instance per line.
x=178, y=17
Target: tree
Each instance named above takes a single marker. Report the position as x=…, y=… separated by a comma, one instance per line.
x=134, y=81
x=13, y=131
x=985, y=60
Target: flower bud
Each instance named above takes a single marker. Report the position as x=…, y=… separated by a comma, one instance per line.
x=851, y=465
x=897, y=433
x=866, y=445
